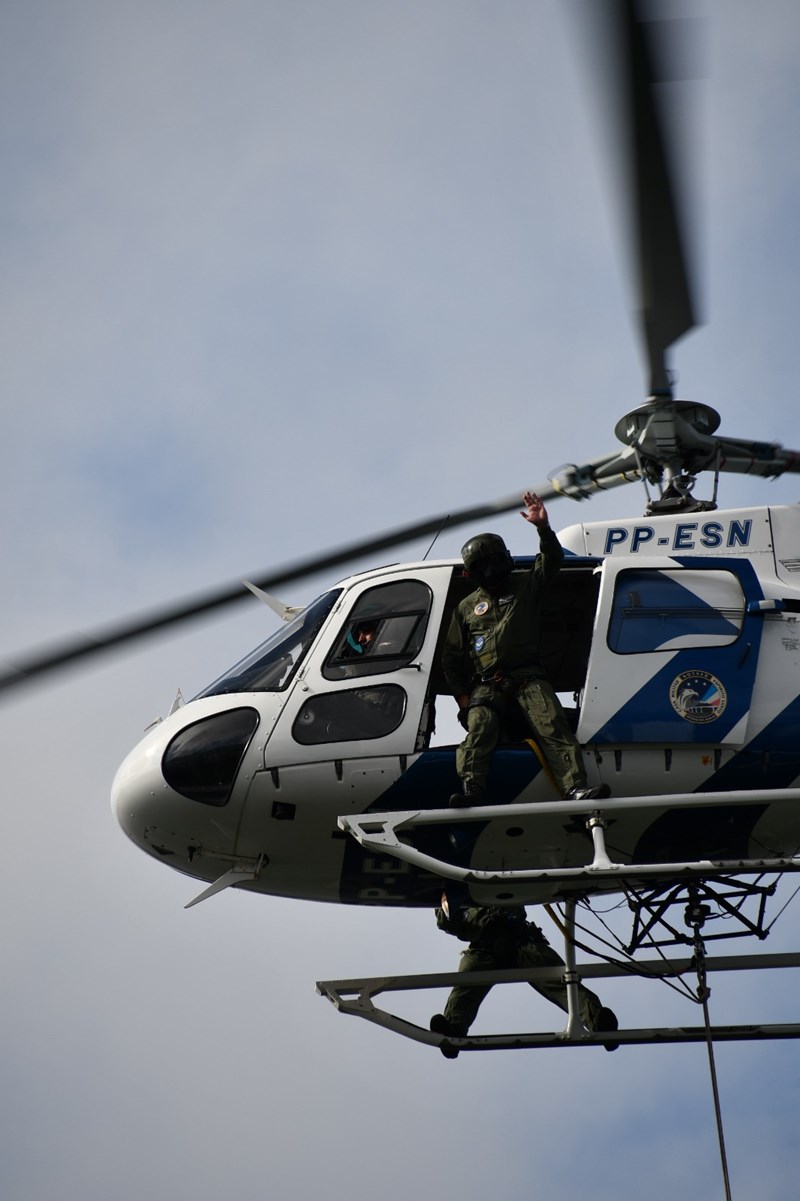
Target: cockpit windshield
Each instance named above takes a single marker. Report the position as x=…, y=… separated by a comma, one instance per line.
x=272, y=665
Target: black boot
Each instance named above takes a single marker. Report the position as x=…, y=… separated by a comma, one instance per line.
x=604, y=1023
x=440, y=1025
x=471, y=794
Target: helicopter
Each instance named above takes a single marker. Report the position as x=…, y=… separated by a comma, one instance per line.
x=308, y=770
x=333, y=716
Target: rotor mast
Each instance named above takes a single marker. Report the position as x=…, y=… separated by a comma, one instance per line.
x=670, y=441
x=667, y=438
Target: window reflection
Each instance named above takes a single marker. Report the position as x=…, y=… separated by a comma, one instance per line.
x=347, y=716
x=201, y=762
x=272, y=665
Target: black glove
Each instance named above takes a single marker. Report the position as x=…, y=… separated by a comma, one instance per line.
x=463, y=717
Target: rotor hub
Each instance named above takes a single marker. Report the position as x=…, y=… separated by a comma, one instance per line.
x=660, y=424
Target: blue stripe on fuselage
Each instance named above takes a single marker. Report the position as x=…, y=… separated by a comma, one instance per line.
x=770, y=760
x=649, y=716
x=378, y=879
x=430, y=781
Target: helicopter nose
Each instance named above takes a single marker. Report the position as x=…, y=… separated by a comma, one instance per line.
x=138, y=797
x=172, y=795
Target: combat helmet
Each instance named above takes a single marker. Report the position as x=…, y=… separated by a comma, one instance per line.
x=486, y=557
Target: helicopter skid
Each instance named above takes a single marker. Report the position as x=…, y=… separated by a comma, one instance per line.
x=390, y=833
x=357, y=998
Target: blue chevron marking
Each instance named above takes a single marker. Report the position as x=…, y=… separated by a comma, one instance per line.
x=430, y=781
x=664, y=709
x=770, y=760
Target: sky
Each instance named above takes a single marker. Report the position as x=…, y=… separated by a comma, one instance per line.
x=276, y=276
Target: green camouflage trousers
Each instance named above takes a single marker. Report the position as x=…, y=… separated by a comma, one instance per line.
x=542, y=711
x=464, y=1002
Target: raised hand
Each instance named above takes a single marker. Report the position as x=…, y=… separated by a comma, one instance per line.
x=534, y=510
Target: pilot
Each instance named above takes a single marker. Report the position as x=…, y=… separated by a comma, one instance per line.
x=360, y=639
x=491, y=663
x=500, y=939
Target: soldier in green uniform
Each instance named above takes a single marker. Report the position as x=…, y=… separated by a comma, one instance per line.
x=491, y=662
x=502, y=938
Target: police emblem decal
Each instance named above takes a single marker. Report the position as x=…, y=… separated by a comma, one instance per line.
x=481, y=608
x=698, y=696
x=479, y=642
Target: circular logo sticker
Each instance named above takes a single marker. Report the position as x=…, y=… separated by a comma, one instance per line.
x=481, y=608
x=698, y=696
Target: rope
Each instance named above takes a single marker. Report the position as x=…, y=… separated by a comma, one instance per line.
x=703, y=993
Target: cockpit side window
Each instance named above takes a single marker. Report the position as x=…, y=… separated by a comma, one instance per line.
x=666, y=610
x=272, y=666
x=353, y=714
x=384, y=631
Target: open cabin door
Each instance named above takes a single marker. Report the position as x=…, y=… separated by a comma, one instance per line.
x=674, y=652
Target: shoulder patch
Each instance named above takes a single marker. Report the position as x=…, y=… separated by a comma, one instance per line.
x=481, y=608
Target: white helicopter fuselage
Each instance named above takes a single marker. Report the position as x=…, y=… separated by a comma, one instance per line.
x=677, y=637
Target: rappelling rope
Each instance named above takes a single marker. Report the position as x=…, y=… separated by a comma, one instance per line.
x=703, y=993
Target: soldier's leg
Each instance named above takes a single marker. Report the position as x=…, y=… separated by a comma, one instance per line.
x=537, y=952
x=464, y=1001
x=474, y=754
x=560, y=747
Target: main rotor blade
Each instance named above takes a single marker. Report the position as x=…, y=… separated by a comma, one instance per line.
x=747, y=456
x=645, y=54
x=576, y=482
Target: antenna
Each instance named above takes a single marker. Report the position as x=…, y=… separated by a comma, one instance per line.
x=435, y=536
